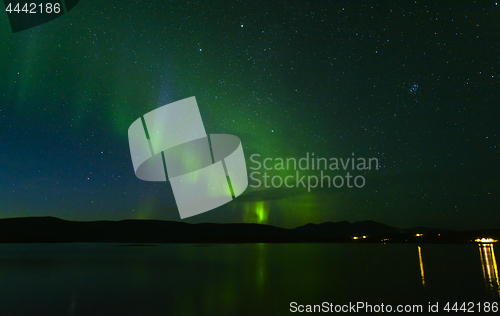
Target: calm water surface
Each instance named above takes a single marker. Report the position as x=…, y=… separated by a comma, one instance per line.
x=237, y=279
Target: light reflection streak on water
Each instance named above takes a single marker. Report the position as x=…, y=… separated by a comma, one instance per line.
x=490, y=270
x=421, y=265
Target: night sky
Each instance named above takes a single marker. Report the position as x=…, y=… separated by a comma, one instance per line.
x=414, y=84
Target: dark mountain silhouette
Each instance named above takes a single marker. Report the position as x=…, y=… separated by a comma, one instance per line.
x=50, y=230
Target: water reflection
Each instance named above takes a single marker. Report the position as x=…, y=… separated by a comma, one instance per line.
x=421, y=265
x=490, y=270
x=261, y=266
x=236, y=279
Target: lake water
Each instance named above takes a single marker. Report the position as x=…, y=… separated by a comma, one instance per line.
x=237, y=279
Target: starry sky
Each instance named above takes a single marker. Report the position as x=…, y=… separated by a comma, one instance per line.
x=413, y=83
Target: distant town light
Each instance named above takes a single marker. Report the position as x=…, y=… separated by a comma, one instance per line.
x=419, y=235
x=357, y=237
x=486, y=240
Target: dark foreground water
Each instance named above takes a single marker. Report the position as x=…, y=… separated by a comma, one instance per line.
x=238, y=279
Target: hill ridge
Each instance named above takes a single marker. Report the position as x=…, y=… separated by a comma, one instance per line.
x=50, y=229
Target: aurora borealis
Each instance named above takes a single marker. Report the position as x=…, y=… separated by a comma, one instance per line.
x=414, y=84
